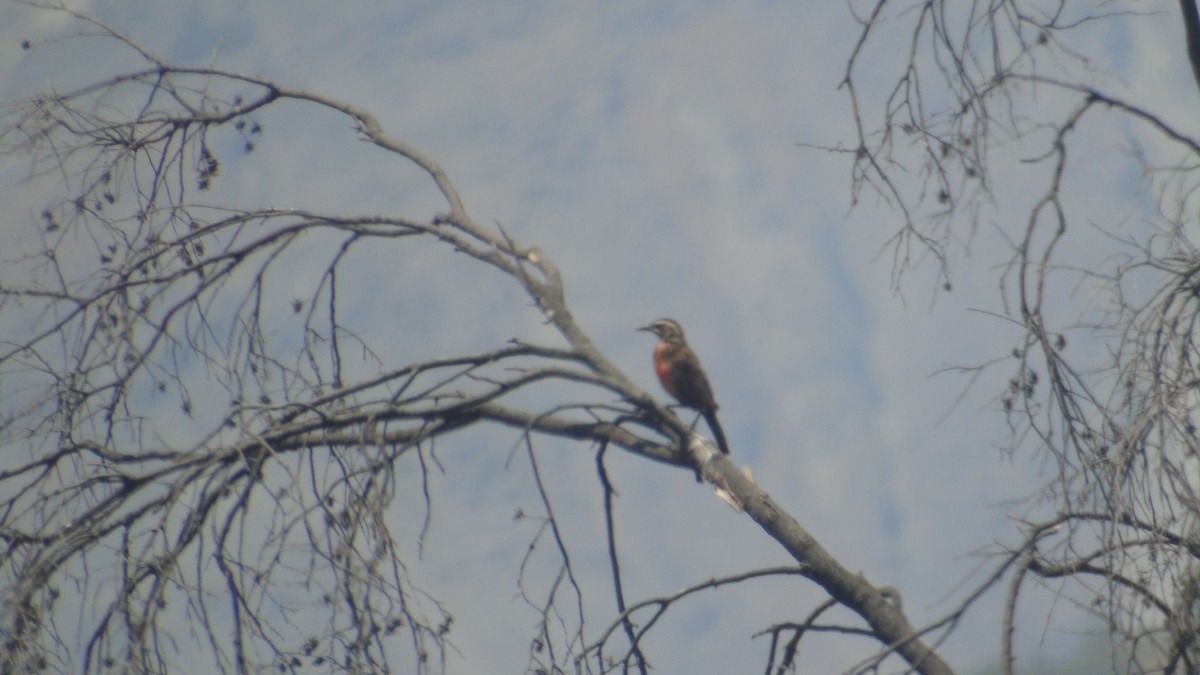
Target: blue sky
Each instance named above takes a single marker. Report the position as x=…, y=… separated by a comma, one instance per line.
x=650, y=150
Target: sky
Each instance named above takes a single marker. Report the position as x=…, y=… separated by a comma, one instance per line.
x=651, y=149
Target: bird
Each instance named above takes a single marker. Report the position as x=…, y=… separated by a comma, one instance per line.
x=680, y=373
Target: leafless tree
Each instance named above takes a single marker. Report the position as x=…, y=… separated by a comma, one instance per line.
x=1104, y=376
x=194, y=454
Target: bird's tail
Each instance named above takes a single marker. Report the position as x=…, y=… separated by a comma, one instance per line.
x=718, y=432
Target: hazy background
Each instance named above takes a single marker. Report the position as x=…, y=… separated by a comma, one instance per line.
x=650, y=150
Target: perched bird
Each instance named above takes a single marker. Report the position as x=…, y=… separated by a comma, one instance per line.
x=679, y=371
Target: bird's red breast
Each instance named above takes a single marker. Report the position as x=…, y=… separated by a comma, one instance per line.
x=661, y=366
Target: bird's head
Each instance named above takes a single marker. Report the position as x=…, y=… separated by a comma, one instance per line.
x=665, y=329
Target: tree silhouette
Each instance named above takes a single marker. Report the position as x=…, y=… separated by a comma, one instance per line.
x=203, y=447
x=200, y=450
x=984, y=92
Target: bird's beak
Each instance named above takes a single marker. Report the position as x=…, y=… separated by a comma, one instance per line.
x=648, y=329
